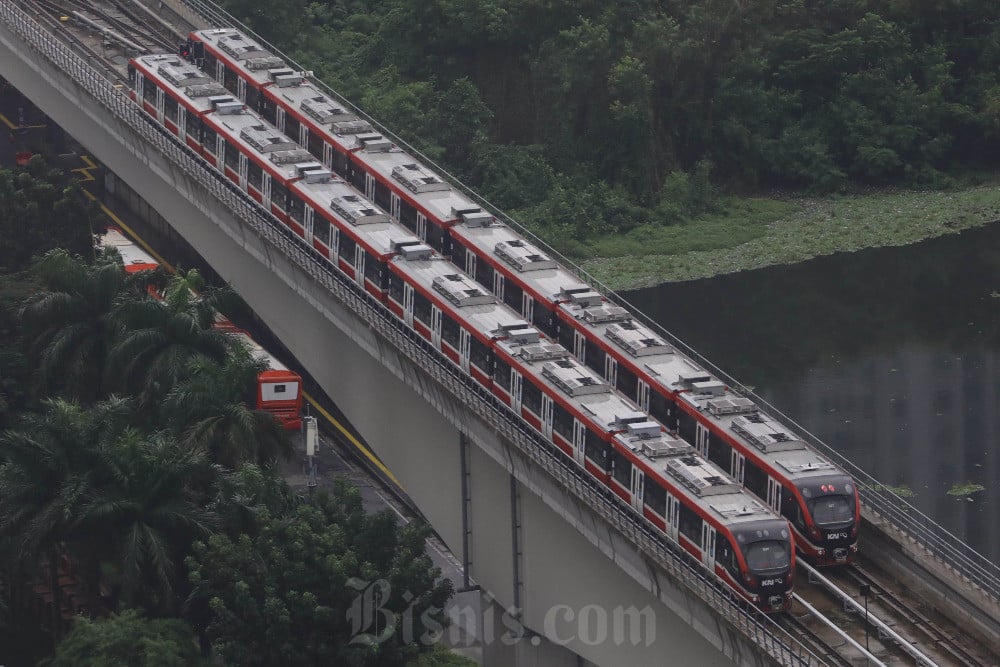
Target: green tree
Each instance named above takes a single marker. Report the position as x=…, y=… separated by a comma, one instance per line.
x=128, y=640
x=210, y=409
x=283, y=596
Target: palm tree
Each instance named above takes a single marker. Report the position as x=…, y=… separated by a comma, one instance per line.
x=69, y=326
x=211, y=410
x=159, y=338
x=46, y=476
x=144, y=510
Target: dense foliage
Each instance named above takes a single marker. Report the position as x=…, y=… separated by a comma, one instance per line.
x=132, y=460
x=590, y=117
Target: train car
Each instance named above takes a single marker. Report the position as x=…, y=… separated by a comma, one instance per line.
x=476, y=331
x=819, y=498
x=279, y=389
x=699, y=506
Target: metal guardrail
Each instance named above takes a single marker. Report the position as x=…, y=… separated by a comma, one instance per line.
x=743, y=617
x=875, y=496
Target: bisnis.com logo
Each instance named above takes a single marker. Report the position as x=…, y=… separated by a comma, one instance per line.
x=373, y=623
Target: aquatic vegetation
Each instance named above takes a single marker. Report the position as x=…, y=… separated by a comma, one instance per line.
x=965, y=489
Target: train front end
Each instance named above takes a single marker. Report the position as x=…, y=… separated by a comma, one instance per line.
x=832, y=517
x=768, y=563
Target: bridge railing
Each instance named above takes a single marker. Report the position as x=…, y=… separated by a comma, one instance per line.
x=876, y=497
x=747, y=620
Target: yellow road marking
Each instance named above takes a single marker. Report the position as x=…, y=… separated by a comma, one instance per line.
x=11, y=126
x=87, y=176
x=319, y=408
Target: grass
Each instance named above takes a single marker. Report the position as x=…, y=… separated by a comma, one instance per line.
x=754, y=233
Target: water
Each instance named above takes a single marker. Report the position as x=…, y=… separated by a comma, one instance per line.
x=890, y=355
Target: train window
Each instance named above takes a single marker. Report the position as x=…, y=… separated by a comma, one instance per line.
x=321, y=229
x=346, y=250
x=422, y=308
x=373, y=269
x=208, y=138
x=381, y=195
x=543, y=318
x=719, y=452
x=339, y=165
x=356, y=175
x=628, y=382
x=655, y=497
x=662, y=409
x=255, y=174
x=253, y=98
x=229, y=80
x=531, y=397
x=689, y=523
x=755, y=479
x=724, y=554
x=562, y=422
x=395, y=288
x=269, y=110
x=479, y=355
x=279, y=195
x=296, y=207
x=513, y=295
x=232, y=156
x=566, y=336
x=593, y=356
x=597, y=450
x=210, y=61
x=686, y=426
x=149, y=92
x=436, y=237
x=501, y=374
x=291, y=127
x=408, y=215
x=484, y=275
x=449, y=332
x=622, y=470
x=316, y=143
x=458, y=255
x=170, y=108
x=195, y=128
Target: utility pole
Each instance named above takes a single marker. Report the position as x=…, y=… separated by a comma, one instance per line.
x=311, y=438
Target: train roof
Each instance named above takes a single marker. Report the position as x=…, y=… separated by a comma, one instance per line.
x=336, y=198
x=529, y=265
x=188, y=82
x=258, y=352
x=656, y=360
x=132, y=255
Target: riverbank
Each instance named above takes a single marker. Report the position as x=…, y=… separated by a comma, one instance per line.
x=754, y=233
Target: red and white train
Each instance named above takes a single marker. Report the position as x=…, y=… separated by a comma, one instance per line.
x=817, y=497
x=684, y=496
x=279, y=389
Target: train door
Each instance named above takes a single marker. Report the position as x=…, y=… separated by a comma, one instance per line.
x=408, y=304
x=159, y=105
x=359, y=265
x=470, y=263
x=369, y=187
x=774, y=494
x=265, y=190
x=243, y=170
x=527, y=307
x=547, y=414
x=579, y=442
x=308, y=223
x=335, y=254
x=241, y=89
x=421, y=226
x=220, y=70
x=638, y=482
x=708, y=545
x=516, y=382
x=642, y=396
x=737, y=465
x=436, y=326
x=140, y=82
x=279, y=119
x=673, y=515
x=182, y=123
x=327, y=155
x=464, y=348
x=610, y=370
x=498, y=285
x=701, y=440
x=394, y=206
x=303, y=135
x=579, y=346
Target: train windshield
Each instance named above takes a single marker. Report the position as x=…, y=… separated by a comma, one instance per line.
x=768, y=555
x=828, y=510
